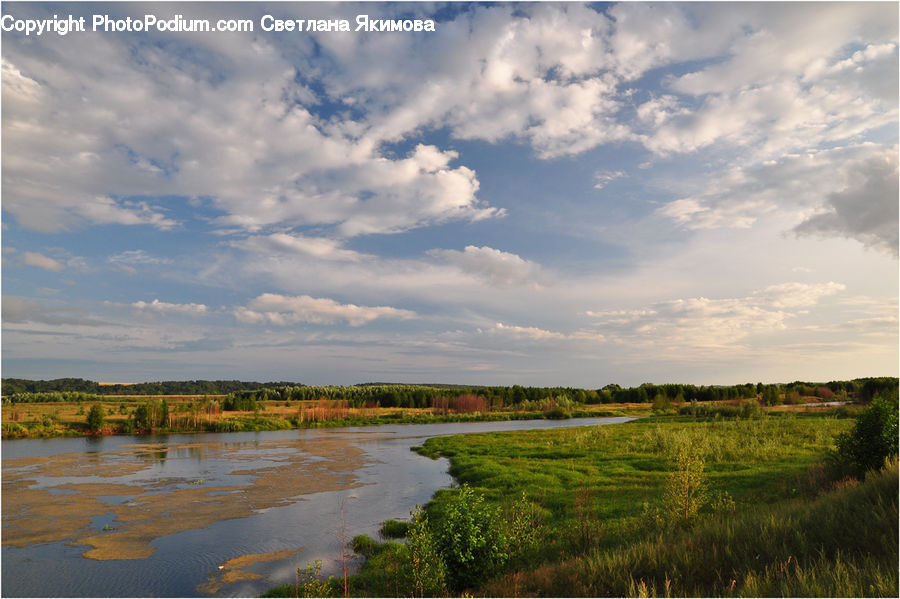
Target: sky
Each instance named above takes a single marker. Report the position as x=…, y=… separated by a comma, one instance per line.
x=538, y=194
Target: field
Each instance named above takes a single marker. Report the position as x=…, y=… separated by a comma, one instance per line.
x=600, y=518
x=198, y=413
x=191, y=413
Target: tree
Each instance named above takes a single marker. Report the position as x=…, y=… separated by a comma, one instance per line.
x=471, y=539
x=429, y=572
x=95, y=417
x=142, y=420
x=685, y=487
x=872, y=438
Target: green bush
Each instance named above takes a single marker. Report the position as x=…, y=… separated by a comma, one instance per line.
x=685, y=491
x=471, y=539
x=394, y=529
x=427, y=567
x=95, y=417
x=872, y=439
x=364, y=545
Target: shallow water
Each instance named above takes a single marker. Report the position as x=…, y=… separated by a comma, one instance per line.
x=210, y=514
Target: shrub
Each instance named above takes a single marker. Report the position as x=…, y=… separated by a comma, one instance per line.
x=685, y=486
x=872, y=439
x=429, y=572
x=309, y=584
x=364, y=545
x=393, y=529
x=471, y=540
x=95, y=417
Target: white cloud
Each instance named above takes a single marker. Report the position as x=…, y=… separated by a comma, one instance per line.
x=848, y=191
x=710, y=324
x=322, y=248
x=18, y=310
x=782, y=86
x=275, y=164
x=286, y=310
x=495, y=266
x=165, y=307
x=533, y=333
x=865, y=207
x=42, y=261
x=795, y=295
x=604, y=178
x=137, y=257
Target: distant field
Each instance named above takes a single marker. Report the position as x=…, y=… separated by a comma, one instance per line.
x=188, y=413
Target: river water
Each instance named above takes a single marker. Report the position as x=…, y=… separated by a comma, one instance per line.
x=208, y=514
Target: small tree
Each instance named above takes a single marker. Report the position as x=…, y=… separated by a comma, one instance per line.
x=685, y=488
x=95, y=417
x=872, y=439
x=429, y=572
x=471, y=539
x=142, y=419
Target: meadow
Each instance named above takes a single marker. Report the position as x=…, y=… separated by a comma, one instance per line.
x=671, y=505
x=205, y=413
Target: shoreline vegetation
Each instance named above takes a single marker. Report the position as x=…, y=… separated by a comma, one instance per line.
x=76, y=407
x=716, y=502
x=750, y=490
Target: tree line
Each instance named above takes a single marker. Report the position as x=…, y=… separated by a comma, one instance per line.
x=245, y=395
x=13, y=386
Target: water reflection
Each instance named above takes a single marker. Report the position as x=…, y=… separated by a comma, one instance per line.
x=183, y=505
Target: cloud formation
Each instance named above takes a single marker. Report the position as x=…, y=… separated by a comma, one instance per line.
x=711, y=324
x=42, y=261
x=166, y=307
x=285, y=310
x=493, y=265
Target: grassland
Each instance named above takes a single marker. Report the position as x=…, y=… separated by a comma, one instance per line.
x=190, y=413
x=770, y=521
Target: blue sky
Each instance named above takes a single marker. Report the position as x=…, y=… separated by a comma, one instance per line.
x=539, y=193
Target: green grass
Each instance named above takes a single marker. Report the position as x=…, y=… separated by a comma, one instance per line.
x=842, y=543
x=393, y=529
x=772, y=524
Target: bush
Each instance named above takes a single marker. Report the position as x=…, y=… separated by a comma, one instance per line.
x=393, y=529
x=686, y=486
x=428, y=569
x=872, y=439
x=364, y=545
x=471, y=540
x=95, y=417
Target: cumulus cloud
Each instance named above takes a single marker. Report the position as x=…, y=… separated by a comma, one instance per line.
x=17, y=310
x=787, y=82
x=42, y=261
x=322, y=248
x=284, y=310
x=495, y=266
x=865, y=208
x=711, y=323
x=533, y=333
x=554, y=76
x=795, y=295
x=275, y=164
x=851, y=191
x=604, y=178
x=167, y=308
x=130, y=259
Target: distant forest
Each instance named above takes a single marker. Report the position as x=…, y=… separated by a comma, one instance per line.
x=241, y=394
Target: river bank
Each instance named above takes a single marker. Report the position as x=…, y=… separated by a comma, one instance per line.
x=766, y=518
x=172, y=509
x=68, y=419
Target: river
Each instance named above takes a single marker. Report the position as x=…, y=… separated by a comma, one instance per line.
x=205, y=515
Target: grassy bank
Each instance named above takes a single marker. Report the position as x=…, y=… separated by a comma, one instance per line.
x=191, y=414
x=766, y=520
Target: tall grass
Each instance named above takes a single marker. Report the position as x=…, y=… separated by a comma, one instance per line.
x=842, y=544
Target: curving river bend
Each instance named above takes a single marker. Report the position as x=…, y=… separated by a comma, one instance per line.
x=208, y=515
